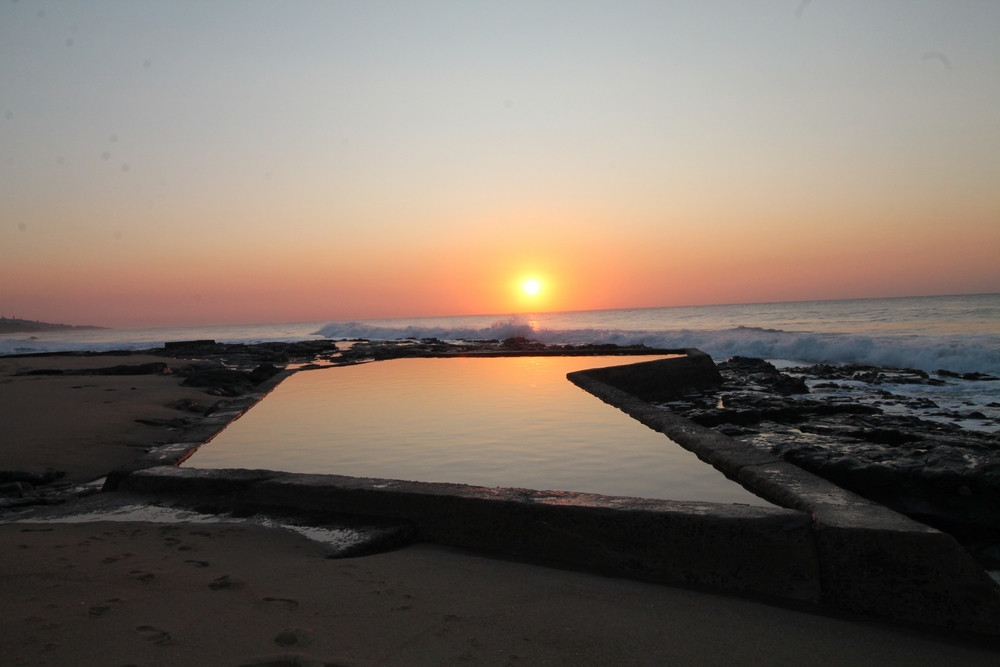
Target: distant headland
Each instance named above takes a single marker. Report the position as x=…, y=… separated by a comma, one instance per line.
x=15, y=325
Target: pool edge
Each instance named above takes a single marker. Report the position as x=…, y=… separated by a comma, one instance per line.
x=871, y=560
x=759, y=551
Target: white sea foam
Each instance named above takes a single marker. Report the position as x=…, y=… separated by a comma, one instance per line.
x=956, y=353
x=958, y=333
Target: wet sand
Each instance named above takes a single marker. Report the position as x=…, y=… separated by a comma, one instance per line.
x=144, y=594
x=84, y=424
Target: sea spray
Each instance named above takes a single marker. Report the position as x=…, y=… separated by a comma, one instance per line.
x=929, y=353
x=957, y=333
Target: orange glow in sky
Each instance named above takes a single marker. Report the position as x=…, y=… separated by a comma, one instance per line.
x=399, y=159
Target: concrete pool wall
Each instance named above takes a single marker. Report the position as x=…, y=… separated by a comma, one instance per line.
x=826, y=546
x=870, y=559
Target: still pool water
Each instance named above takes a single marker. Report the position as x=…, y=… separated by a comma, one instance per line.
x=512, y=422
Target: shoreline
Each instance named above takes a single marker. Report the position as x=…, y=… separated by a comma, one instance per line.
x=195, y=360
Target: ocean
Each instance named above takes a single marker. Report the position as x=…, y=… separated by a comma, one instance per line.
x=956, y=333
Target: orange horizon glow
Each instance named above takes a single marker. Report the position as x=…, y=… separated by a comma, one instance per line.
x=337, y=163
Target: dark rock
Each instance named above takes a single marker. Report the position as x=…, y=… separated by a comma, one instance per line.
x=521, y=343
x=733, y=431
x=153, y=368
x=180, y=344
x=16, y=489
x=873, y=477
x=788, y=385
x=188, y=405
x=177, y=422
x=885, y=436
x=36, y=479
x=838, y=470
x=262, y=373
x=716, y=417
x=913, y=465
x=763, y=373
x=217, y=379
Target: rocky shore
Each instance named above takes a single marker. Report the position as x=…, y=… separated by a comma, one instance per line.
x=866, y=429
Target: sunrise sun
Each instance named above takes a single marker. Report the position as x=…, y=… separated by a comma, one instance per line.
x=531, y=287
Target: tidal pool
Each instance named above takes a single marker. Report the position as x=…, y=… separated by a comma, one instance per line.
x=512, y=422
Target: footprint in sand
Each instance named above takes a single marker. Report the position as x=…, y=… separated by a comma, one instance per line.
x=290, y=660
x=198, y=563
x=103, y=608
x=286, y=602
x=226, y=582
x=99, y=609
x=144, y=577
x=114, y=559
x=155, y=635
x=294, y=637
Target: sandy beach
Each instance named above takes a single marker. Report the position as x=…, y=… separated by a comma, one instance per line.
x=235, y=594
x=144, y=594
x=83, y=425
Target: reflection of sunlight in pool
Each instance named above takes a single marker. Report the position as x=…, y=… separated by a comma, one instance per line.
x=514, y=422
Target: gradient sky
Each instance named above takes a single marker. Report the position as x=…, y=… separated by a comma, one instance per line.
x=207, y=163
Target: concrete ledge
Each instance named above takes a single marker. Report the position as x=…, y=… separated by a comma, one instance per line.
x=870, y=554
x=176, y=452
x=766, y=552
x=724, y=453
x=872, y=560
x=662, y=379
x=827, y=546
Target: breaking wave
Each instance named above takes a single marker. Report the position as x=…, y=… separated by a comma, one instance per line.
x=964, y=354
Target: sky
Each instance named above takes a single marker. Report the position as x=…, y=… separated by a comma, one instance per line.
x=194, y=163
